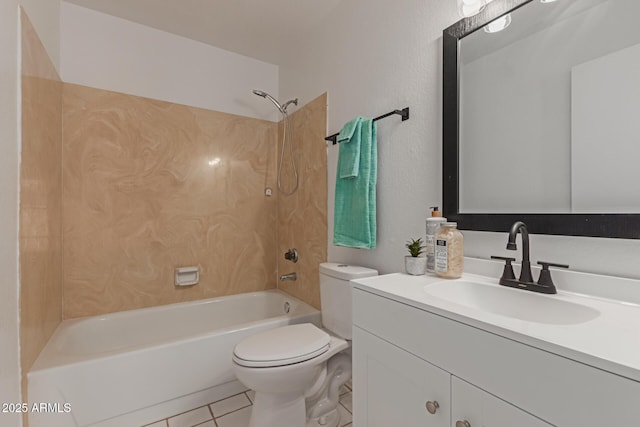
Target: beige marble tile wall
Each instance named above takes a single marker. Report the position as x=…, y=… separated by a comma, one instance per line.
x=40, y=199
x=302, y=217
x=150, y=186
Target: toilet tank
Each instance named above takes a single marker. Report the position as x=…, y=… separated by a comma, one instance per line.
x=335, y=295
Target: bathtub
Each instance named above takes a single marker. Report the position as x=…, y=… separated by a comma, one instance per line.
x=135, y=367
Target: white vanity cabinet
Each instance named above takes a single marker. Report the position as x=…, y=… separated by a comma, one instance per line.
x=397, y=388
x=405, y=356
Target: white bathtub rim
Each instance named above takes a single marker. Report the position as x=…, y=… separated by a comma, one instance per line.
x=50, y=358
x=163, y=307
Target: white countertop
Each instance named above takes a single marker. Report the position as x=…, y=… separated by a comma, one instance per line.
x=610, y=341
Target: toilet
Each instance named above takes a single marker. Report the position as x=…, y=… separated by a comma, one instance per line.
x=297, y=370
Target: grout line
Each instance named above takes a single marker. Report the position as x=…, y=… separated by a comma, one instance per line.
x=235, y=410
x=228, y=397
x=193, y=409
x=345, y=408
x=212, y=416
x=214, y=419
x=166, y=422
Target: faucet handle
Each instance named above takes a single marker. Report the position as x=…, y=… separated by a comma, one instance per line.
x=545, y=274
x=507, y=259
x=291, y=255
x=507, y=273
x=545, y=265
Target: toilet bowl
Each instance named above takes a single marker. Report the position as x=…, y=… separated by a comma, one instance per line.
x=297, y=370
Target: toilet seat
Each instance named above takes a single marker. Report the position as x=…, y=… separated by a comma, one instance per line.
x=282, y=346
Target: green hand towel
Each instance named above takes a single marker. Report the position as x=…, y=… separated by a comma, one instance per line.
x=355, y=197
x=349, y=140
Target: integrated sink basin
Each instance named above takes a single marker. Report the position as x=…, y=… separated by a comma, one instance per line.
x=513, y=303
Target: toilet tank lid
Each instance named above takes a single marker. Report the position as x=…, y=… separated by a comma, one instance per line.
x=345, y=271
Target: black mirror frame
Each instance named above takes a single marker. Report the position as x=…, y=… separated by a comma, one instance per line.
x=626, y=226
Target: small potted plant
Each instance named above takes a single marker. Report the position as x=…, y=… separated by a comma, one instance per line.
x=415, y=264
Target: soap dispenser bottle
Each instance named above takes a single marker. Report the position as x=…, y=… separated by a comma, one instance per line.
x=449, y=251
x=433, y=224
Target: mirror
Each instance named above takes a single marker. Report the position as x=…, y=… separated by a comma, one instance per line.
x=539, y=119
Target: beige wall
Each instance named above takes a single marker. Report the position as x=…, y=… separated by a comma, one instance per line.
x=141, y=199
x=302, y=216
x=40, y=238
x=139, y=187
x=150, y=186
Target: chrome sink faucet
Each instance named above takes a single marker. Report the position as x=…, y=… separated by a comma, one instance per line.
x=545, y=284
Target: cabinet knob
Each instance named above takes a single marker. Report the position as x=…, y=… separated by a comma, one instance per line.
x=432, y=406
x=464, y=423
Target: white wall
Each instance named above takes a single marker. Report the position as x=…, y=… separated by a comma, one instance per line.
x=9, y=169
x=372, y=57
x=40, y=12
x=45, y=18
x=106, y=52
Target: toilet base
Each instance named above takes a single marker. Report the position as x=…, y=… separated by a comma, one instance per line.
x=323, y=404
x=332, y=419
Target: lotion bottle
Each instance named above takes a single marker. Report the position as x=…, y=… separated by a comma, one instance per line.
x=433, y=224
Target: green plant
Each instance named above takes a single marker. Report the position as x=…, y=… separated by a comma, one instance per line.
x=415, y=247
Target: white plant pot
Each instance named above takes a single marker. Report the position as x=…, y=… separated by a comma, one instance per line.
x=415, y=266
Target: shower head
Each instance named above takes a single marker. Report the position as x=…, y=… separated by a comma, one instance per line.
x=286, y=104
x=282, y=108
x=270, y=98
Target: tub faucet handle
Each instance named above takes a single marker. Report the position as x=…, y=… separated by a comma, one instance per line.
x=291, y=255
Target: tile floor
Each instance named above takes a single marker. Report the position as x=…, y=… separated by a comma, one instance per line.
x=234, y=411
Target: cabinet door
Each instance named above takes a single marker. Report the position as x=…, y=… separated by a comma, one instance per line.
x=392, y=387
x=481, y=409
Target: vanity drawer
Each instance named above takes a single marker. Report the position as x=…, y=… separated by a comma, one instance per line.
x=560, y=391
x=479, y=408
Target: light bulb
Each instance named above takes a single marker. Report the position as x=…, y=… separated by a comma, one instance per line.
x=467, y=8
x=498, y=24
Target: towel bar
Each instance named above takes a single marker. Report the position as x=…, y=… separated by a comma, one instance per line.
x=404, y=113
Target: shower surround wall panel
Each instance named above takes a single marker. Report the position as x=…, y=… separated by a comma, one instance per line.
x=40, y=238
x=150, y=186
x=302, y=216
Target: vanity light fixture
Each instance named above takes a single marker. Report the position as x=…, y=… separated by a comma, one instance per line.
x=498, y=24
x=467, y=8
